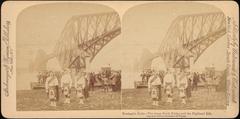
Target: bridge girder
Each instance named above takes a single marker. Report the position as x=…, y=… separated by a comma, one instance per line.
x=189, y=36
x=84, y=36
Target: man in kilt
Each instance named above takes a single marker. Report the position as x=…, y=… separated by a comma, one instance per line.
x=106, y=82
x=80, y=85
x=155, y=88
x=189, y=86
x=51, y=86
x=66, y=84
x=168, y=84
x=182, y=86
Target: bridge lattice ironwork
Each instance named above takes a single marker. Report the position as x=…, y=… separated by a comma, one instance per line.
x=84, y=36
x=189, y=36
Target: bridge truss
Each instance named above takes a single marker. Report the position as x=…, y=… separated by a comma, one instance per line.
x=84, y=36
x=189, y=36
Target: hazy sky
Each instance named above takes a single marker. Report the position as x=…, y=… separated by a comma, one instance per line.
x=144, y=26
x=39, y=27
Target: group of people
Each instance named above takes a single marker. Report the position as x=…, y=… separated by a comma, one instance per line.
x=110, y=81
x=181, y=80
x=82, y=82
x=146, y=74
x=65, y=84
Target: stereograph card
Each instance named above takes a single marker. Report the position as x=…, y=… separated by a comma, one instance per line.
x=151, y=59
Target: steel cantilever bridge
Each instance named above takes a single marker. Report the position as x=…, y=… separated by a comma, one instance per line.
x=189, y=36
x=84, y=36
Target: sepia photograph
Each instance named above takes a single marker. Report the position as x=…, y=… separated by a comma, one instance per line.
x=179, y=57
x=56, y=45
x=124, y=59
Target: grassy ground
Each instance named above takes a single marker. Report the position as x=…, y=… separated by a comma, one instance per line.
x=200, y=100
x=33, y=100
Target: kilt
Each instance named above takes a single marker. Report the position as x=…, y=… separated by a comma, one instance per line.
x=80, y=91
x=53, y=93
x=66, y=89
x=182, y=92
x=155, y=92
x=169, y=89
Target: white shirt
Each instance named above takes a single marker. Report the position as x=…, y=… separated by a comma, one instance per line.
x=155, y=80
x=182, y=80
x=66, y=79
x=80, y=81
x=168, y=78
x=51, y=81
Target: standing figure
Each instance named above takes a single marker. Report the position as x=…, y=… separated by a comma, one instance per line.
x=154, y=95
x=80, y=86
x=51, y=86
x=105, y=82
x=39, y=76
x=66, y=84
x=155, y=88
x=92, y=81
x=195, y=81
x=168, y=84
x=189, y=86
x=144, y=76
x=117, y=81
x=86, y=87
x=113, y=80
x=148, y=75
x=182, y=86
x=44, y=76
